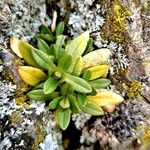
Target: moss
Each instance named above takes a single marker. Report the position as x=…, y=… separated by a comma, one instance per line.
x=21, y=101
x=115, y=26
x=16, y=117
x=134, y=89
x=39, y=134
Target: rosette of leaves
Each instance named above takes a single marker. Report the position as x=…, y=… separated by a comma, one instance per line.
x=56, y=70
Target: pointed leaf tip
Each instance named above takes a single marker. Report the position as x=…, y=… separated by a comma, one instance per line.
x=14, y=45
x=78, y=45
x=105, y=98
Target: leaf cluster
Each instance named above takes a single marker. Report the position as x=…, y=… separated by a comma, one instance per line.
x=57, y=75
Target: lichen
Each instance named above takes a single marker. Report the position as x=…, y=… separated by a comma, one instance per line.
x=39, y=133
x=21, y=101
x=134, y=90
x=115, y=26
x=146, y=137
x=16, y=117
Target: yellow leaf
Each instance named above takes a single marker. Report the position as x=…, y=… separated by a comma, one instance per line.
x=98, y=71
x=23, y=50
x=105, y=98
x=14, y=44
x=31, y=75
x=96, y=57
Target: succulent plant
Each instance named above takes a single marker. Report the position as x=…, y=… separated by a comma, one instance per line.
x=66, y=74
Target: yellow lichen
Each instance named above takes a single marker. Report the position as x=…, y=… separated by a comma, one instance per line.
x=145, y=137
x=134, y=89
x=16, y=117
x=21, y=101
x=115, y=26
x=39, y=134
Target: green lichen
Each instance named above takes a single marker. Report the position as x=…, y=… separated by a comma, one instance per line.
x=115, y=26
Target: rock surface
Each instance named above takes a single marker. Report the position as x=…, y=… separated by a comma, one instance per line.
x=119, y=25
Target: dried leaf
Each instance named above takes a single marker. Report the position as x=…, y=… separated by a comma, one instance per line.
x=31, y=75
x=23, y=50
x=14, y=44
x=96, y=57
x=105, y=98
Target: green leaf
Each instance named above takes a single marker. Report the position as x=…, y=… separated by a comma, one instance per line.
x=60, y=42
x=43, y=60
x=66, y=89
x=38, y=95
x=78, y=84
x=46, y=37
x=23, y=50
x=31, y=75
x=94, y=92
x=54, y=50
x=50, y=85
x=55, y=103
x=65, y=62
x=42, y=45
x=39, y=86
x=87, y=75
x=60, y=28
x=100, y=83
x=64, y=103
x=89, y=47
x=92, y=109
x=63, y=117
x=51, y=50
x=78, y=67
x=46, y=30
x=54, y=94
x=73, y=104
x=82, y=98
x=77, y=46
